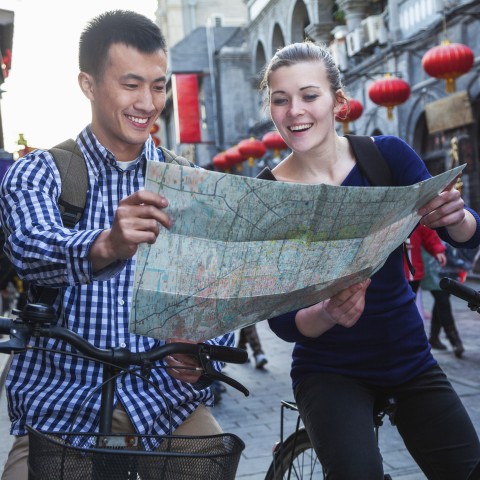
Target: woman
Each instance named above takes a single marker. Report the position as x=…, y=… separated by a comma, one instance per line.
x=368, y=342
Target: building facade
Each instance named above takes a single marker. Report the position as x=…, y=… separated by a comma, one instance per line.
x=368, y=40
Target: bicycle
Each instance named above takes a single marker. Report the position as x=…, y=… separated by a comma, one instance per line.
x=106, y=456
x=472, y=297
x=295, y=458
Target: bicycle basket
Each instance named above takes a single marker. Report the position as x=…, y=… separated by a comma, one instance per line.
x=67, y=456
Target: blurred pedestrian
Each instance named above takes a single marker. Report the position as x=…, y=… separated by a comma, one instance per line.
x=442, y=315
x=428, y=239
x=249, y=335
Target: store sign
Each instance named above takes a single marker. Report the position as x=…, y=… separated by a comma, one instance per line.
x=450, y=112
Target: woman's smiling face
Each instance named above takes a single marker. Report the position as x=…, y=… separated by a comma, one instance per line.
x=302, y=104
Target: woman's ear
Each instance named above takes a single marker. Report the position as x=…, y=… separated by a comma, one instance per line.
x=340, y=101
x=86, y=83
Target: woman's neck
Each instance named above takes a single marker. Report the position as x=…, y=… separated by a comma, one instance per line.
x=328, y=164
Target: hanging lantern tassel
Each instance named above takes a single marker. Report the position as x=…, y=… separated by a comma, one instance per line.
x=448, y=61
x=349, y=112
x=389, y=92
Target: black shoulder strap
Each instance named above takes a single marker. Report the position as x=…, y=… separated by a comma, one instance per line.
x=370, y=161
x=266, y=174
x=73, y=172
x=374, y=166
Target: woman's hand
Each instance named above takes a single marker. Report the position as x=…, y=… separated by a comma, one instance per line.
x=343, y=309
x=447, y=210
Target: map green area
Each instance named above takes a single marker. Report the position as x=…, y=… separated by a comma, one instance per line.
x=242, y=249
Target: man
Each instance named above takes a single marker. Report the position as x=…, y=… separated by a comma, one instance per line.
x=123, y=67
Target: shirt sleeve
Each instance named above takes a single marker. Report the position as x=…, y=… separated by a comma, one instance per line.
x=42, y=250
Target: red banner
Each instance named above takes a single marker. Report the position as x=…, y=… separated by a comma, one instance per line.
x=186, y=107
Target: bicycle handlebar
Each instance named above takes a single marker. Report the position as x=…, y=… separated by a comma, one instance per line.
x=35, y=320
x=461, y=291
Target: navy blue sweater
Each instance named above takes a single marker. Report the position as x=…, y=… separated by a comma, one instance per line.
x=388, y=344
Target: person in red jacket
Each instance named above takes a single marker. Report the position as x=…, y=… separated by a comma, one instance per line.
x=428, y=239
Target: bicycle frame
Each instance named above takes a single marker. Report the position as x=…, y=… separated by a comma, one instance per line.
x=297, y=443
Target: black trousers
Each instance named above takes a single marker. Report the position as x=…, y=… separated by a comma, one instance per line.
x=338, y=414
x=442, y=309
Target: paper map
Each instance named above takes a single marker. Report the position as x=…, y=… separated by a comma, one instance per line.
x=242, y=250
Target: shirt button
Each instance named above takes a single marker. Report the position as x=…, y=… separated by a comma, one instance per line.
x=123, y=344
x=121, y=301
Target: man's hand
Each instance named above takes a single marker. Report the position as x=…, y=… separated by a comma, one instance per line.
x=138, y=219
x=183, y=367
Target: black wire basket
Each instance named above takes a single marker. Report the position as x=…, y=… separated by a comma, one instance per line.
x=86, y=456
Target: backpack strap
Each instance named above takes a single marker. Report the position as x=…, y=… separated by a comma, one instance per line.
x=73, y=172
x=172, y=157
x=370, y=161
x=374, y=166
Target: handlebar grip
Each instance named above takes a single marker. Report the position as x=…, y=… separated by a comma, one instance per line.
x=5, y=325
x=228, y=354
x=460, y=290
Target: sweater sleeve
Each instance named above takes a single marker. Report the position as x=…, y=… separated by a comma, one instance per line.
x=285, y=327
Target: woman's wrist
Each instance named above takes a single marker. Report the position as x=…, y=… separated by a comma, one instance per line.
x=314, y=321
x=463, y=230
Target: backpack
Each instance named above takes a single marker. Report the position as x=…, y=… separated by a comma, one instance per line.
x=73, y=197
x=7, y=270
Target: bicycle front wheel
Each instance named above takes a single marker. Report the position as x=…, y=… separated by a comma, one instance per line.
x=295, y=459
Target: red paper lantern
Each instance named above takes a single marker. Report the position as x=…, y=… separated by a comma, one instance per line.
x=234, y=157
x=448, y=61
x=251, y=149
x=349, y=112
x=220, y=161
x=274, y=141
x=389, y=92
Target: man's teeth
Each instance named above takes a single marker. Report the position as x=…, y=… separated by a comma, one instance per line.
x=304, y=126
x=138, y=120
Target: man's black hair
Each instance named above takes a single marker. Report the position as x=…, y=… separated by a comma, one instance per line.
x=116, y=26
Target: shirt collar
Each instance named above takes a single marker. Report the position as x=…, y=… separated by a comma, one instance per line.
x=101, y=157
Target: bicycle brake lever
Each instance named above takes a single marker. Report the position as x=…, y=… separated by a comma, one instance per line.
x=213, y=374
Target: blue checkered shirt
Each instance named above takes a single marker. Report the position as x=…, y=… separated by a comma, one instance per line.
x=59, y=392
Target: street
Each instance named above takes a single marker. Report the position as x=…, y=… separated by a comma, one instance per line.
x=256, y=418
